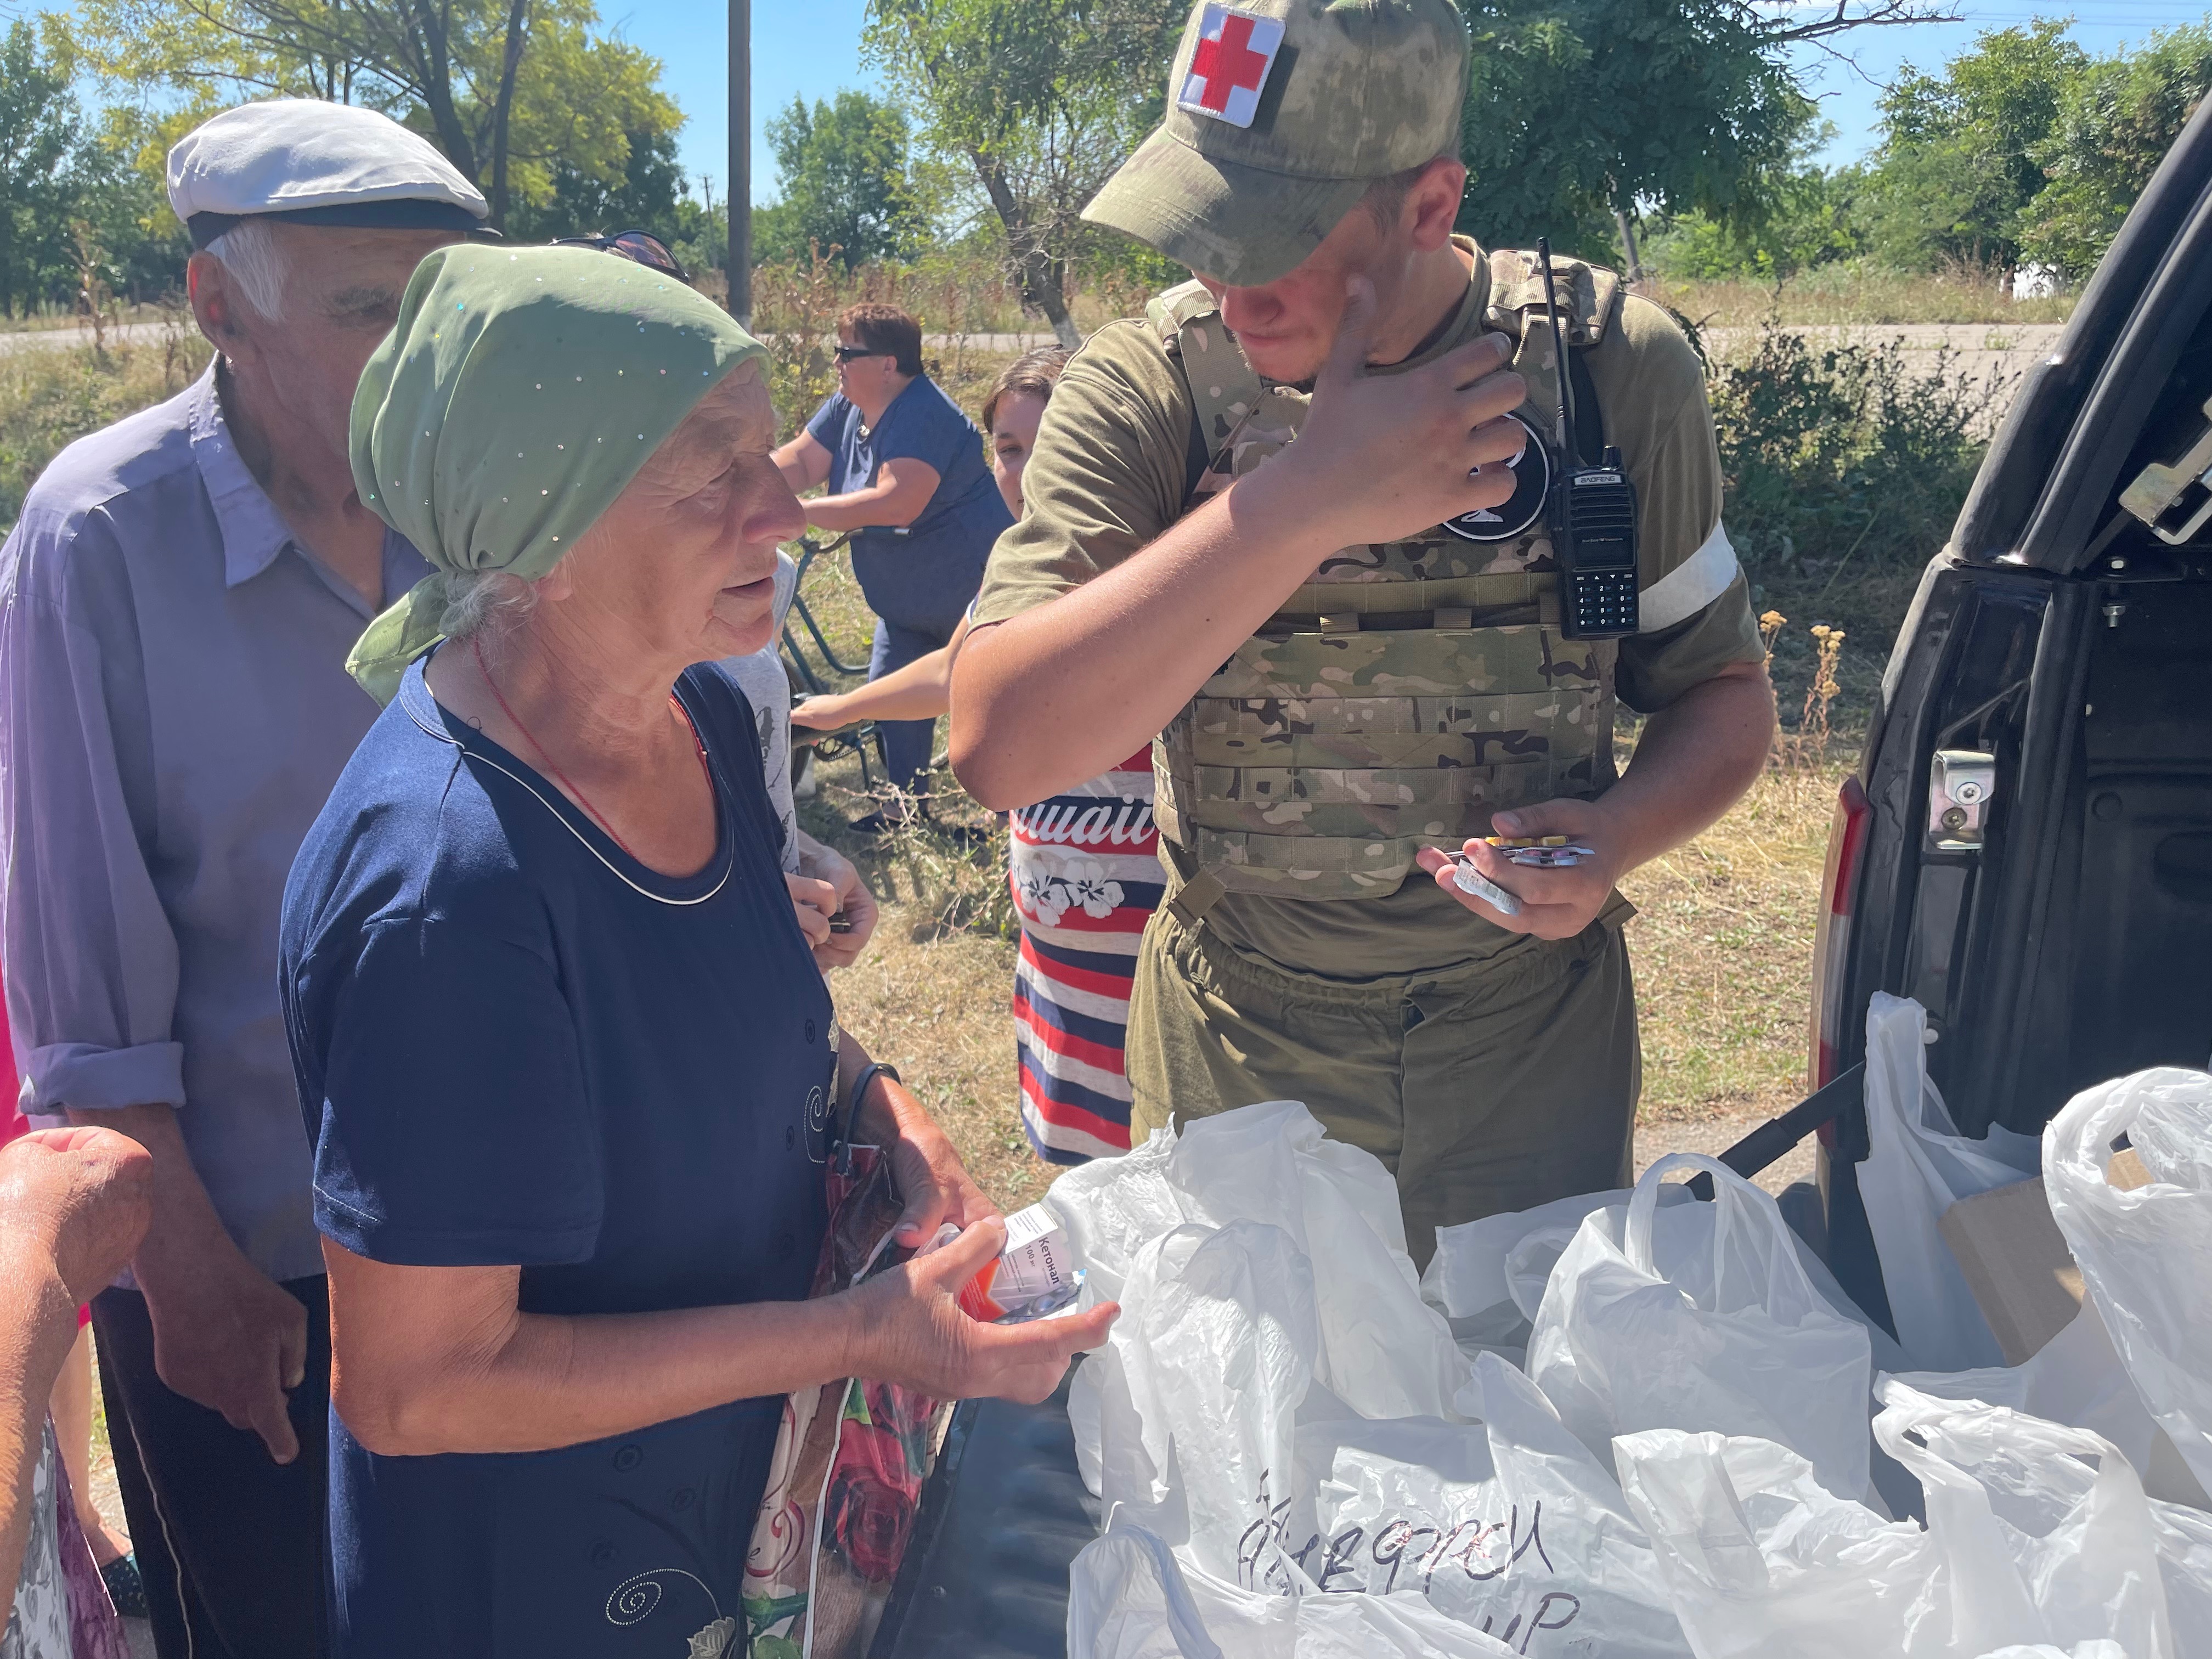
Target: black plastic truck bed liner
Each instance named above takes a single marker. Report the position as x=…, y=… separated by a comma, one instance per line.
x=1003, y=1514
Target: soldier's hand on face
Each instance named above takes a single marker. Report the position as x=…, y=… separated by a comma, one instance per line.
x=1392, y=455
x=1555, y=903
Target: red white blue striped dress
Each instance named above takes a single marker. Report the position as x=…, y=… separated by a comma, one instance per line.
x=1086, y=876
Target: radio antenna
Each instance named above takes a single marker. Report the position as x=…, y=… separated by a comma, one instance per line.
x=1558, y=356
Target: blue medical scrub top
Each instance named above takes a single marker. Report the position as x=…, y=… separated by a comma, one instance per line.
x=516, y=1044
x=926, y=578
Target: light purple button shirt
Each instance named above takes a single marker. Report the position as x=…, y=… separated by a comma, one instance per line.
x=174, y=709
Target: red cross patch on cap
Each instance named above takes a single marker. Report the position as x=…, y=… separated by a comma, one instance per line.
x=1229, y=71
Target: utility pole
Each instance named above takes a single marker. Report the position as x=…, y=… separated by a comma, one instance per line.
x=739, y=193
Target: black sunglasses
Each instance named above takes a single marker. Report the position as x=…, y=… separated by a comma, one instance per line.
x=845, y=354
x=640, y=246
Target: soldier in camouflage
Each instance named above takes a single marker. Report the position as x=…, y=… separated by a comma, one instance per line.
x=1294, y=521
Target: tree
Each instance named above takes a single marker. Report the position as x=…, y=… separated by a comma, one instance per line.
x=1957, y=163
x=506, y=89
x=67, y=192
x=2115, y=121
x=40, y=127
x=846, y=181
x=582, y=203
x=1042, y=98
x=1810, y=220
x=1581, y=111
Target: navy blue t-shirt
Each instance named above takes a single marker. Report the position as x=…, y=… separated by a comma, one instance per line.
x=926, y=578
x=516, y=1044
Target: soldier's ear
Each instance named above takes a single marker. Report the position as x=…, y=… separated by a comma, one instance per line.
x=1432, y=205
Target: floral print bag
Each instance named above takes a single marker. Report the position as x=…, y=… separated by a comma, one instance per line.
x=849, y=1461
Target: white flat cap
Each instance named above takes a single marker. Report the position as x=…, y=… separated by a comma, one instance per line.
x=316, y=163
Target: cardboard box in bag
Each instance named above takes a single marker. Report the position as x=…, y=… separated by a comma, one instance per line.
x=2016, y=1262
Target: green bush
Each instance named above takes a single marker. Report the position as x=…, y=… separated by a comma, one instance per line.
x=1845, y=466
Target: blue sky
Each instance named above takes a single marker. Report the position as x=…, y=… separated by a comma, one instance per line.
x=1849, y=96
x=810, y=48
x=803, y=48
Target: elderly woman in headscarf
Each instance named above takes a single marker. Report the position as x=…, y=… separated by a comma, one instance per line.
x=561, y=1048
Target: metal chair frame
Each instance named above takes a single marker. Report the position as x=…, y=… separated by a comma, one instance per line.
x=856, y=740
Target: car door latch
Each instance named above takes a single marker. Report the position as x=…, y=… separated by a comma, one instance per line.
x=2175, y=499
x=1961, y=784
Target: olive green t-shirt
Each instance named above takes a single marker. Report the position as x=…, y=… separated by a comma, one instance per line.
x=1111, y=471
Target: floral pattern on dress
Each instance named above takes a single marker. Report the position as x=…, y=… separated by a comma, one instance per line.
x=1047, y=894
x=39, y=1623
x=845, y=1482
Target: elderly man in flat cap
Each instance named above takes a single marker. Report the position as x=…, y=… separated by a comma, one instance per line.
x=175, y=609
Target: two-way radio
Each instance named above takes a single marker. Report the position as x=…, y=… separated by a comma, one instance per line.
x=1593, y=513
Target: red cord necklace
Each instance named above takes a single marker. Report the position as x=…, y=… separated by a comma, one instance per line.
x=476, y=646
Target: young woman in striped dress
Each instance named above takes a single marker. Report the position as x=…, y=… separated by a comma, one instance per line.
x=1084, y=865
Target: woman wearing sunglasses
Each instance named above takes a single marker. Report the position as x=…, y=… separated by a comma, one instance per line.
x=898, y=455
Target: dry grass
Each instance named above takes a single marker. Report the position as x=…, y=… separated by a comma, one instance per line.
x=1724, y=949
x=937, y=1005
x=52, y=396
x=1844, y=294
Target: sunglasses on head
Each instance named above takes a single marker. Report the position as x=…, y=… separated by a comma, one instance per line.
x=640, y=246
x=845, y=354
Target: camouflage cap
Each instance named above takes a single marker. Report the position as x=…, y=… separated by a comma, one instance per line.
x=1281, y=113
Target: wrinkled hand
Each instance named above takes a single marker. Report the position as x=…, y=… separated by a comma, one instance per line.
x=1394, y=454
x=827, y=867
x=813, y=902
x=928, y=1168
x=1554, y=903
x=82, y=1196
x=910, y=1330
x=228, y=1337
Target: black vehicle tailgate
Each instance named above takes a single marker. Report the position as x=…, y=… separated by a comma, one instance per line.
x=1003, y=1514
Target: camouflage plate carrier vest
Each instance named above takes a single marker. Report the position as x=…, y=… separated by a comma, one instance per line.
x=1407, y=691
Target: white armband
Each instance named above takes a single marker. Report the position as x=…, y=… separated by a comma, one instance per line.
x=1691, y=586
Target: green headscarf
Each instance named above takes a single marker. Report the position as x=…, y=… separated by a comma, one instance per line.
x=519, y=393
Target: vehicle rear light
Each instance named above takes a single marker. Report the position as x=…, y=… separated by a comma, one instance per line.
x=1832, y=938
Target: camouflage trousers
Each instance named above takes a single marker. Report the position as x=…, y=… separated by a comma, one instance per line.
x=1483, y=1089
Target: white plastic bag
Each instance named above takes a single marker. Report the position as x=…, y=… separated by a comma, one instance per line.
x=1700, y=1316
x=1764, y=1562
x=1508, y=1525
x=1466, y=1280
x=1130, y=1597
x=2077, y=1379
x=2026, y=1541
x=2036, y=1545
x=1216, y=1343
x=1111, y=1207
x=1379, y=1348
x=1918, y=1165
x=2146, y=1255
x=1383, y=1352
x=2184, y=1537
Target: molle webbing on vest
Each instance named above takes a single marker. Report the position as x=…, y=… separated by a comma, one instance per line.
x=1393, y=703
x=1589, y=296
x=1456, y=603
